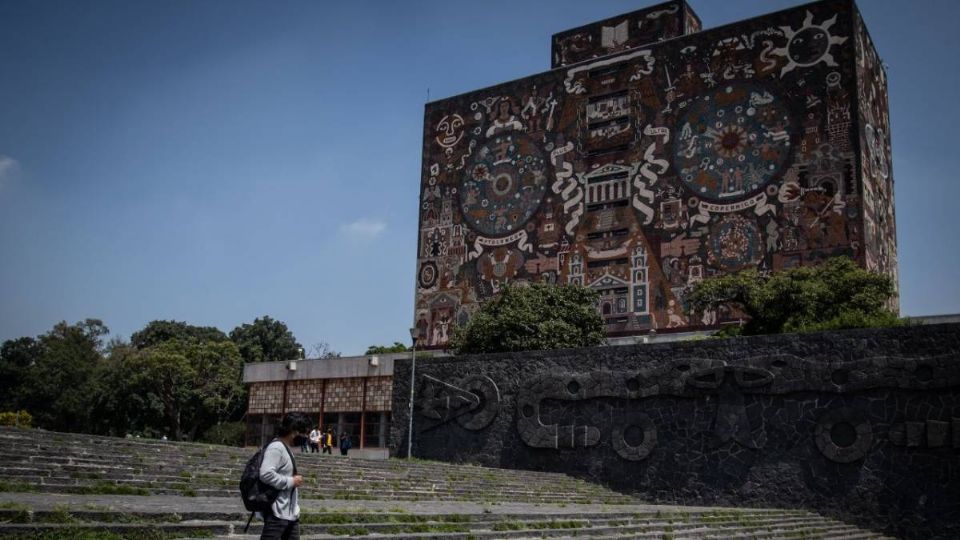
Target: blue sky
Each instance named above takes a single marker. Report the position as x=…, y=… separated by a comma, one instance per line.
x=214, y=161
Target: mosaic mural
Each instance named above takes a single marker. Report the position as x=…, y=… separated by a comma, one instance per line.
x=880, y=231
x=638, y=169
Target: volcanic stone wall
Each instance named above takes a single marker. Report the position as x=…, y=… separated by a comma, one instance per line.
x=639, y=167
x=861, y=425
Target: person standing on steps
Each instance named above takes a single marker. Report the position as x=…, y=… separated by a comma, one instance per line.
x=303, y=442
x=345, y=444
x=328, y=442
x=315, y=440
x=279, y=470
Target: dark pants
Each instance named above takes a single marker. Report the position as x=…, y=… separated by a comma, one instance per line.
x=275, y=528
x=343, y=451
x=327, y=450
x=314, y=448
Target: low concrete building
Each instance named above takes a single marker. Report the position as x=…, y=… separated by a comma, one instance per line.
x=351, y=395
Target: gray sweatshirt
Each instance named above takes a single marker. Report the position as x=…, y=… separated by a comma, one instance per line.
x=277, y=471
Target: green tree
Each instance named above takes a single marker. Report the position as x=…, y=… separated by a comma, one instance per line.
x=185, y=386
x=397, y=347
x=118, y=406
x=16, y=356
x=534, y=317
x=55, y=387
x=265, y=340
x=156, y=332
x=833, y=295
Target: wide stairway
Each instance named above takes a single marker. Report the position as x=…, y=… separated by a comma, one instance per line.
x=72, y=486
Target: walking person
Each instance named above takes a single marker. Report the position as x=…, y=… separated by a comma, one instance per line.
x=315, y=440
x=279, y=470
x=328, y=442
x=345, y=444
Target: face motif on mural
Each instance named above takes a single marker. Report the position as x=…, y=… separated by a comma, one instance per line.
x=808, y=45
x=450, y=130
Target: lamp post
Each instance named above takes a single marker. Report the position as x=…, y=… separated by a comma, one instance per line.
x=413, y=371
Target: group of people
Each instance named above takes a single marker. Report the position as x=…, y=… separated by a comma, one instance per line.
x=323, y=442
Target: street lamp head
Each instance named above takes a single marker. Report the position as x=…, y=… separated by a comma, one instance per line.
x=414, y=334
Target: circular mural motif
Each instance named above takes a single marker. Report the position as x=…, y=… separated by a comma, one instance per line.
x=635, y=437
x=844, y=435
x=732, y=142
x=735, y=243
x=504, y=185
x=428, y=274
x=484, y=388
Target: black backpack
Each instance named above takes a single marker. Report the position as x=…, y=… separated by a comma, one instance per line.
x=258, y=496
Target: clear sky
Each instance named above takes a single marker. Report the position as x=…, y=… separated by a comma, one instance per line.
x=215, y=161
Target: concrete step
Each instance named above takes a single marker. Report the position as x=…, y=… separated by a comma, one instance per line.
x=108, y=468
x=129, y=474
x=807, y=528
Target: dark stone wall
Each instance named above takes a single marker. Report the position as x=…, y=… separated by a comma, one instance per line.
x=861, y=425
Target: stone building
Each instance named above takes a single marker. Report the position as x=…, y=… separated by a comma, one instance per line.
x=655, y=154
x=352, y=395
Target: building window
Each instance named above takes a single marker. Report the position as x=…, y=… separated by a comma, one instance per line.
x=351, y=426
x=375, y=430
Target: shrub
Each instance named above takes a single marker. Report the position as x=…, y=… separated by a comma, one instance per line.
x=532, y=318
x=834, y=295
x=227, y=433
x=16, y=418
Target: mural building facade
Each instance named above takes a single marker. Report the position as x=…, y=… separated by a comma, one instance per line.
x=654, y=155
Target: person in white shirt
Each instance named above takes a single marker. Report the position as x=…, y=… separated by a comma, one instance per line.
x=279, y=470
x=315, y=440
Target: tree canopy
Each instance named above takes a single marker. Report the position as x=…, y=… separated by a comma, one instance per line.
x=532, y=317
x=397, y=347
x=172, y=378
x=265, y=340
x=16, y=357
x=833, y=295
x=156, y=332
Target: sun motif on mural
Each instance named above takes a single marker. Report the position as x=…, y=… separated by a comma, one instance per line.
x=808, y=45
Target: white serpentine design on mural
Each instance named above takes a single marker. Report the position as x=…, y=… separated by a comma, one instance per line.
x=769, y=64
x=572, y=193
x=750, y=41
x=643, y=197
x=463, y=158
x=669, y=11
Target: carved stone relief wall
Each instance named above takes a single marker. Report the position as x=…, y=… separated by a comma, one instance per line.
x=862, y=425
x=637, y=167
